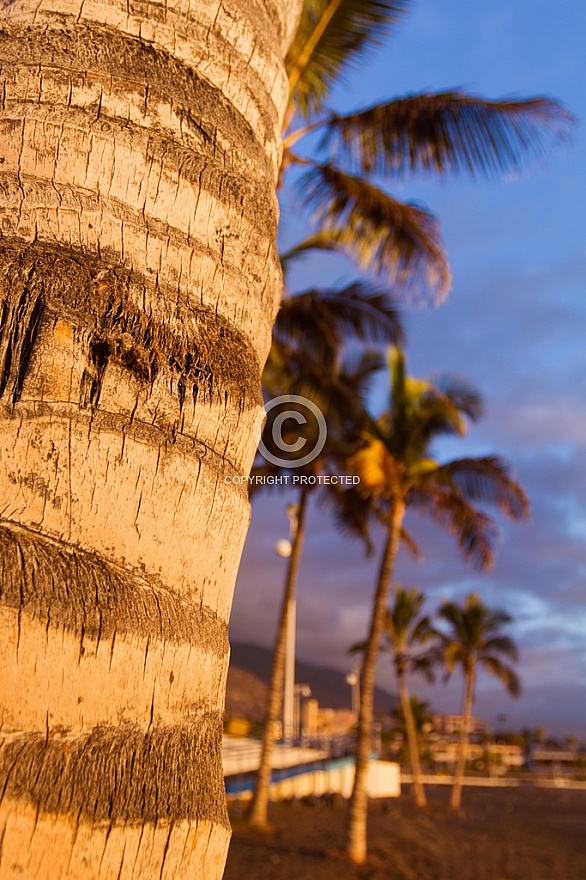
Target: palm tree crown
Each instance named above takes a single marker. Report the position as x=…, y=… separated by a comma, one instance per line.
x=444, y=133
x=407, y=631
x=474, y=637
x=395, y=463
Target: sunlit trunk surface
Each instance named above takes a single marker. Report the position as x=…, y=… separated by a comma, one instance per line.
x=139, y=278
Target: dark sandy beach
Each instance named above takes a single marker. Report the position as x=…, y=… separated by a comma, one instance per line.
x=505, y=834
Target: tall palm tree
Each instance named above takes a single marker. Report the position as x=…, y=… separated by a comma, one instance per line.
x=474, y=638
x=443, y=133
x=339, y=388
x=397, y=471
x=139, y=278
x=406, y=631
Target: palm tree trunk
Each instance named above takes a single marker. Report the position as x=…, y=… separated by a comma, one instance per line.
x=357, y=816
x=139, y=278
x=456, y=796
x=420, y=798
x=260, y=800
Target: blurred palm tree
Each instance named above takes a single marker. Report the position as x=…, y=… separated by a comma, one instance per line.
x=406, y=632
x=475, y=638
x=397, y=471
x=337, y=385
x=313, y=328
x=443, y=133
x=421, y=713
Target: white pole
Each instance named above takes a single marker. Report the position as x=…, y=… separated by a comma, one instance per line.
x=289, y=689
x=353, y=679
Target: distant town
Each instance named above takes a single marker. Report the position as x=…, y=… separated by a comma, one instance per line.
x=493, y=752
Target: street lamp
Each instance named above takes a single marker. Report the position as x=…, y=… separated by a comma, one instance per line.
x=353, y=679
x=284, y=548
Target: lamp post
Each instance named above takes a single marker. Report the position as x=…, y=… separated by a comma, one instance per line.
x=284, y=548
x=353, y=679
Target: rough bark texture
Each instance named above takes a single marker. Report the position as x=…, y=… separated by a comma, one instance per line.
x=260, y=800
x=139, y=277
x=358, y=811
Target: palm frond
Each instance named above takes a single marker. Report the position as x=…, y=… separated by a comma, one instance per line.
x=488, y=479
x=502, y=645
x=496, y=620
x=357, y=372
x=474, y=531
x=292, y=370
x=421, y=410
x=504, y=673
x=425, y=664
x=352, y=512
x=323, y=319
x=318, y=242
x=398, y=382
x=452, y=613
x=461, y=393
x=400, y=241
x=475, y=636
x=446, y=133
x=423, y=631
x=336, y=387
x=330, y=40
x=411, y=545
x=403, y=614
x=436, y=415
x=377, y=469
x=452, y=656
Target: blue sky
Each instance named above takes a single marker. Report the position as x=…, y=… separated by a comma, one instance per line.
x=515, y=325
